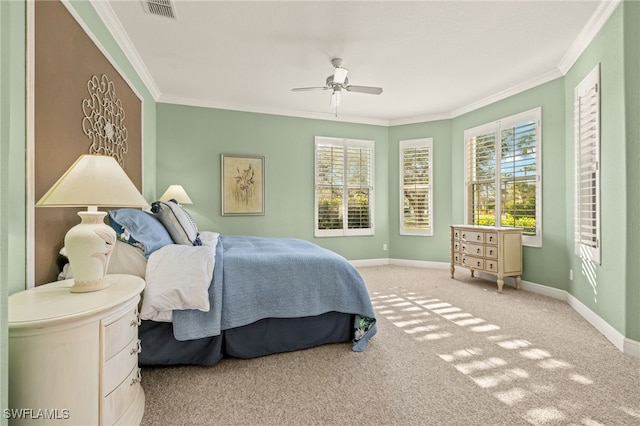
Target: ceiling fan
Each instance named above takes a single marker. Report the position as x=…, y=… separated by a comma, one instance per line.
x=337, y=82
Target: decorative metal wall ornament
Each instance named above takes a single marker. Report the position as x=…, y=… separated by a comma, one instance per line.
x=103, y=120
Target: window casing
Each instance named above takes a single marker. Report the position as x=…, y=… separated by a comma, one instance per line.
x=344, y=196
x=416, y=212
x=587, y=167
x=504, y=174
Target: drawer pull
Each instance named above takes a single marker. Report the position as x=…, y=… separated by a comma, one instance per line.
x=137, y=349
x=478, y=251
x=136, y=321
x=136, y=379
x=478, y=238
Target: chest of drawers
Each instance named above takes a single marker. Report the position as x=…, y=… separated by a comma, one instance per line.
x=488, y=249
x=73, y=357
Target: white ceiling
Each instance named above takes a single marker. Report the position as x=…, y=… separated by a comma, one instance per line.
x=434, y=59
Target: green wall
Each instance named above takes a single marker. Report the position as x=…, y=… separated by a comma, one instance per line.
x=12, y=169
x=191, y=140
x=433, y=248
x=547, y=264
x=602, y=288
x=632, y=116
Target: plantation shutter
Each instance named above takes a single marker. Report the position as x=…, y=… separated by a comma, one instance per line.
x=329, y=185
x=481, y=182
x=416, y=215
x=518, y=175
x=587, y=134
x=343, y=187
x=358, y=187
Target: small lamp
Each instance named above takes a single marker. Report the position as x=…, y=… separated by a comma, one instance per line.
x=93, y=181
x=176, y=192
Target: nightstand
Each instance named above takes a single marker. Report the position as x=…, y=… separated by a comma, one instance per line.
x=73, y=357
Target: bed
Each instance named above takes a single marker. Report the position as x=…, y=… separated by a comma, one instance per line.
x=210, y=296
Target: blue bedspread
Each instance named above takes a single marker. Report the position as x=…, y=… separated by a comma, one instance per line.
x=258, y=277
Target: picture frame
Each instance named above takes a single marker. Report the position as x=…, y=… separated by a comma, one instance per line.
x=242, y=184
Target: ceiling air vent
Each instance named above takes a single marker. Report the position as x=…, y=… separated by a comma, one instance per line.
x=164, y=8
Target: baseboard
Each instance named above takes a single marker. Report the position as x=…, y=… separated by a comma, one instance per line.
x=624, y=344
x=419, y=263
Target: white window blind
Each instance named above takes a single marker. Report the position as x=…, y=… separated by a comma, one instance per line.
x=587, y=172
x=416, y=213
x=343, y=187
x=503, y=174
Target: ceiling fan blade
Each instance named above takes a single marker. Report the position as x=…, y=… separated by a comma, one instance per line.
x=304, y=89
x=365, y=89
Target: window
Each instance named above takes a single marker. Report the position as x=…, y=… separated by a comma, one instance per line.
x=343, y=187
x=416, y=217
x=587, y=170
x=503, y=175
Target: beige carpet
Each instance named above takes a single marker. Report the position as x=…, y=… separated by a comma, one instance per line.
x=447, y=352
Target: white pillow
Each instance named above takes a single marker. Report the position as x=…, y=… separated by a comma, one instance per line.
x=178, y=277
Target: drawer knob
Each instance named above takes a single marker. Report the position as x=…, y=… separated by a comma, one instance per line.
x=136, y=379
x=136, y=321
x=478, y=238
x=137, y=349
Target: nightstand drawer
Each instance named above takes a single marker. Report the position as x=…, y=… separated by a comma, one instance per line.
x=118, y=401
x=119, y=367
x=119, y=333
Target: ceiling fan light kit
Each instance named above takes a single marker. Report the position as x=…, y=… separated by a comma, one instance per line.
x=338, y=81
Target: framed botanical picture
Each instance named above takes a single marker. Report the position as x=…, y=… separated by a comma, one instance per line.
x=242, y=185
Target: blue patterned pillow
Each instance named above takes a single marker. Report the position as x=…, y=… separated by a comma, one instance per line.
x=140, y=229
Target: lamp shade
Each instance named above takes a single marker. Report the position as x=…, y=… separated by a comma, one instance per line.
x=176, y=192
x=93, y=180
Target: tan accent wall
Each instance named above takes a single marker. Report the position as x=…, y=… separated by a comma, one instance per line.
x=65, y=60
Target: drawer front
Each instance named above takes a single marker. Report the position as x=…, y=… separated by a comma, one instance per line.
x=491, y=252
x=456, y=246
x=473, y=262
x=473, y=249
x=491, y=237
x=456, y=234
x=457, y=258
x=120, y=333
x=472, y=236
x=117, y=402
x=120, y=366
x=491, y=266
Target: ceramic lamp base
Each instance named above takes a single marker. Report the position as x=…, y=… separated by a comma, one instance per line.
x=89, y=245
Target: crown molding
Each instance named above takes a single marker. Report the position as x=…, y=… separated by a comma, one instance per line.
x=111, y=21
x=592, y=27
x=273, y=111
x=590, y=30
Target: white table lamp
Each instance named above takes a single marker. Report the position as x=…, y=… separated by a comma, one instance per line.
x=93, y=181
x=176, y=192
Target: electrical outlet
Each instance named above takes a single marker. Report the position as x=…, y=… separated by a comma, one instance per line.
x=384, y=247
